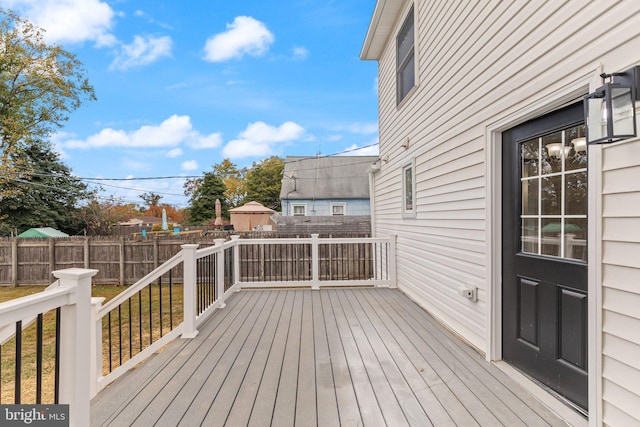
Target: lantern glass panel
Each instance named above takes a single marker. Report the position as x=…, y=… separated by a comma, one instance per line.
x=622, y=111
x=596, y=118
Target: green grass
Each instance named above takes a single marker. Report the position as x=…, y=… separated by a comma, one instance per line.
x=140, y=306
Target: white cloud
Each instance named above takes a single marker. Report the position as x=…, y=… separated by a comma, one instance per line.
x=176, y=152
x=375, y=86
x=207, y=141
x=189, y=165
x=259, y=138
x=245, y=36
x=172, y=132
x=142, y=51
x=371, y=149
x=69, y=21
x=300, y=53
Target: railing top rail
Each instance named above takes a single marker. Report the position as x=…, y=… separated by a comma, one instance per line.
x=32, y=305
x=215, y=248
x=309, y=240
x=140, y=284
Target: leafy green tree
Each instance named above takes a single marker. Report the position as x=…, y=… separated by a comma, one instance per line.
x=234, y=181
x=44, y=194
x=150, y=199
x=264, y=181
x=203, y=200
x=40, y=85
x=99, y=214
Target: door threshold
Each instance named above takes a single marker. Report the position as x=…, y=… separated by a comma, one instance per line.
x=569, y=412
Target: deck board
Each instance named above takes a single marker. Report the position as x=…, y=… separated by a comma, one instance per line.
x=301, y=357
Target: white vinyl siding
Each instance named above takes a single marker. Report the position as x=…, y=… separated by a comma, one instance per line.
x=621, y=284
x=479, y=71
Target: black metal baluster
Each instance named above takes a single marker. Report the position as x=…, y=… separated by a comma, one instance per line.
x=120, y=334
x=170, y=300
x=198, y=287
x=140, y=317
x=56, y=378
x=110, y=344
x=130, y=331
x=206, y=281
x=214, y=278
x=160, y=302
x=18, y=377
x=39, y=359
x=150, y=316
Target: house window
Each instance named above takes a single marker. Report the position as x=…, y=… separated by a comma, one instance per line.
x=338, y=208
x=405, y=67
x=408, y=190
x=299, y=210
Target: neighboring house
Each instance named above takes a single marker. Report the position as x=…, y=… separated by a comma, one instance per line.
x=326, y=186
x=42, y=233
x=483, y=178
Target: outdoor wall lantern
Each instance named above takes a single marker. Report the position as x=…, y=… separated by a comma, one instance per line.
x=609, y=111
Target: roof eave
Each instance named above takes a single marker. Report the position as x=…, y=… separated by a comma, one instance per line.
x=382, y=23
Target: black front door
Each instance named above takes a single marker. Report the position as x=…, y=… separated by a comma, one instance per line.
x=544, y=258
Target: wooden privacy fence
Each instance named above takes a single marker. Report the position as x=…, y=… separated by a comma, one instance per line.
x=118, y=261
x=124, y=261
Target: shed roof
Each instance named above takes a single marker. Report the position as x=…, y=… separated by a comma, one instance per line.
x=335, y=177
x=252, y=207
x=42, y=232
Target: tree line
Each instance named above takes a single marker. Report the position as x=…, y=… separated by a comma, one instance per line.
x=40, y=86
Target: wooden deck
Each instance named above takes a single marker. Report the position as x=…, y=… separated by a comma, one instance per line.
x=334, y=357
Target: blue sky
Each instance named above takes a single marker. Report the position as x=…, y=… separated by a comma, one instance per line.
x=183, y=84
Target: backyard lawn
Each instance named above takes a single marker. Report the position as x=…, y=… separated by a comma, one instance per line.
x=126, y=339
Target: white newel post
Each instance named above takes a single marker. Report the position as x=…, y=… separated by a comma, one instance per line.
x=96, y=345
x=392, y=259
x=220, y=271
x=75, y=345
x=236, y=261
x=315, y=262
x=189, y=288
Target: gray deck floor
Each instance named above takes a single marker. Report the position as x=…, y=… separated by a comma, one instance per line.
x=334, y=357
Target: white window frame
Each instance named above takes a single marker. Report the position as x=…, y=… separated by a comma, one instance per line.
x=402, y=63
x=336, y=204
x=298, y=205
x=411, y=165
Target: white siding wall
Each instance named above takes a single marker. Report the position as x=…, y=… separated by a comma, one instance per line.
x=480, y=62
x=621, y=284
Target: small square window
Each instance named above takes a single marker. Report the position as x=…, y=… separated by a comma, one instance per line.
x=405, y=61
x=299, y=210
x=338, y=208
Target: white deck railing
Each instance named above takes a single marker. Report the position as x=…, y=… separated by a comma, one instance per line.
x=207, y=276
x=72, y=295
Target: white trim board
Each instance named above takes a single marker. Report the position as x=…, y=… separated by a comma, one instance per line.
x=562, y=410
